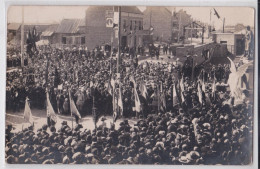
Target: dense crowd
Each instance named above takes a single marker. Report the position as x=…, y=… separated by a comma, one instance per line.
x=78, y=70
x=213, y=130
x=220, y=134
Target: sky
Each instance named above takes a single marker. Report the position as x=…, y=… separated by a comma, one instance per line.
x=54, y=14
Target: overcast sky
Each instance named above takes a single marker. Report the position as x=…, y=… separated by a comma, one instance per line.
x=54, y=14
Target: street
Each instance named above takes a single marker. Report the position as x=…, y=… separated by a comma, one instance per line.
x=39, y=117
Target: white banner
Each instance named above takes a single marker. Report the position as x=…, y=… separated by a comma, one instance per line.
x=116, y=18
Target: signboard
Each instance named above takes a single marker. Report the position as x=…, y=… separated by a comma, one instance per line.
x=109, y=22
x=116, y=18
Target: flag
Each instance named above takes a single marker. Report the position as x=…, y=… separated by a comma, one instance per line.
x=162, y=102
x=109, y=88
x=73, y=108
x=115, y=114
x=120, y=102
x=199, y=93
x=137, y=101
x=143, y=90
x=181, y=84
x=182, y=98
x=117, y=103
x=175, y=100
x=216, y=13
x=27, y=115
x=181, y=89
x=136, y=97
x=50, y=112
x=203, y=84
x=113, y=83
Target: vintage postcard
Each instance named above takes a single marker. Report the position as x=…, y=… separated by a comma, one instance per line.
x=130, y=85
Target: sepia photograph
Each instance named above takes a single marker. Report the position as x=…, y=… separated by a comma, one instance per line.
x=166, y=85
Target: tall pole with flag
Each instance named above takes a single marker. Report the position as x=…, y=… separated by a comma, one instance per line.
x=27, y=112
x=119, y=38
x=22, y=38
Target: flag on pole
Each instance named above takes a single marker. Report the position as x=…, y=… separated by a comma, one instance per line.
x=182, y=98
x=143, y=90
x=117, y=103
x=27, y=115
x=203, y=86
x=73, y=108
x=120, y=102
x=181, y=84
x=115, y=114
x=199, y=93
x=50, y=111
x=109, y=88
x=163, y=102
x=175, y=100
x=216, y=13
x=137, y=101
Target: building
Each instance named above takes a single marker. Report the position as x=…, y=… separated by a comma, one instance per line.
x=48, y=33
x=100, y=31
x=180, y=19
x=235, y=42
x=14, y=31
x=159, y=19
x=68, y=33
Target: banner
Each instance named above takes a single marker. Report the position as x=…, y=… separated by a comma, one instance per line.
x=50, y=111
x=27, y=112
x=73, y=108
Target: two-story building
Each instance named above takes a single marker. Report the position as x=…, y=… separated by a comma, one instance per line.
x=100, y=29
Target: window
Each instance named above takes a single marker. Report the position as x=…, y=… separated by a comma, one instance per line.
x=135, y=25
x=83, y=40
x=124, y=24
x=140, y=25
x=131, y=25
x=63, y=40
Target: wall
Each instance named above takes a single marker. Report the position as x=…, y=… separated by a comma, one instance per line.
x=160, y=21
x=228, y=37
x=98, y=34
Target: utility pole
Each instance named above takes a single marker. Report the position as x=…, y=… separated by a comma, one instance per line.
x=223, y=25
x=179, y=27
x=22, y=38
x=150, y=22
x=119, y=38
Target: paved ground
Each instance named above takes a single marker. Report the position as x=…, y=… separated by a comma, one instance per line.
x=39, y=117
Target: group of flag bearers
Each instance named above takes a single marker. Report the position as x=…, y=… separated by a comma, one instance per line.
x=114, y=87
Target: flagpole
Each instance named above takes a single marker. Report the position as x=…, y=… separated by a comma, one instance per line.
x=71, y=122
x=22, y=38
x=71, y=111
x=158, y=95
x=223, y=25
x=119, y=38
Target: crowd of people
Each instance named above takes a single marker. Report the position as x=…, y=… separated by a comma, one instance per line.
x=211, y=130
x=77, y=71
x=220, y=134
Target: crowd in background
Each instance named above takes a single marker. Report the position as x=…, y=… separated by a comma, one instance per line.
x=79, y=70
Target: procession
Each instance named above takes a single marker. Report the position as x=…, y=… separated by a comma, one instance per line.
x=129, y=104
